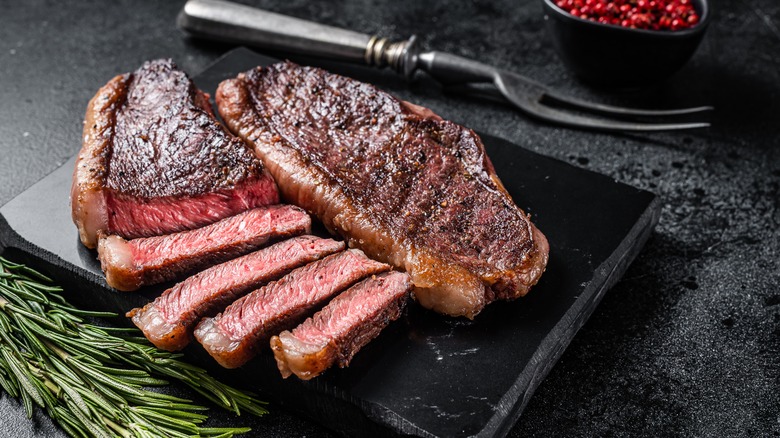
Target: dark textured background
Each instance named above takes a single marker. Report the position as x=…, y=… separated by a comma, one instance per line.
x=688, y=343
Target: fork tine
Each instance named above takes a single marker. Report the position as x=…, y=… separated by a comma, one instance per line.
x=537, y=109
x=621, y=111
x=560, y=117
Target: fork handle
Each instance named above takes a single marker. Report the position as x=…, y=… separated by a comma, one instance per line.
x=452, y=69
x=232, y=22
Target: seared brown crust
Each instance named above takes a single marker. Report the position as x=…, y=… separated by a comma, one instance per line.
x=89, y=176
x=398, y=182
x=166, y=142
x=155, y=160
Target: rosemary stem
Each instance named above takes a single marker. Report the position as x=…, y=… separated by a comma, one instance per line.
x=93, y=380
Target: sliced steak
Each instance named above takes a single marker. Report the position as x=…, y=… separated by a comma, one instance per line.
x=394, y=179
x=154, y=160
x=169, y=320
x=131, y=264
x=344, y=326
x=236, y=335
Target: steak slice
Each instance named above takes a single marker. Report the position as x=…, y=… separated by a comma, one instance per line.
x=344, y=326
x=236, y=335
x=394, y=179
x=131, y=264
x=154, y=160
x=169, y=320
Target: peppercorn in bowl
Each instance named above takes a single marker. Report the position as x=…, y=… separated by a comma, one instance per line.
x=626, y=43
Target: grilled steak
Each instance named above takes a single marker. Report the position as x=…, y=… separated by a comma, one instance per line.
x=131, y=264
x=235, y=336
x=338, y=331
x=169, y=320
x=397, y=181
x=155, y=160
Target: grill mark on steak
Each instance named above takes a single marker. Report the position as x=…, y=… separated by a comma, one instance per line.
x=344, y=326
x=236, y=335
x=155, y=160
x=396, y=180
x=169, y=320
x=128, y=265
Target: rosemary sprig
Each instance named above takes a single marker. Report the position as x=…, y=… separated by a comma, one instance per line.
x=92, y=380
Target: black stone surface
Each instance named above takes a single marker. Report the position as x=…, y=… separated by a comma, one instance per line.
x=688, y=343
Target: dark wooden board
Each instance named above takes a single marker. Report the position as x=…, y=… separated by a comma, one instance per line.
x=426, y=375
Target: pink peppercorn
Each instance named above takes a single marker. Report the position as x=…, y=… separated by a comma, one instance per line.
x=637, y=14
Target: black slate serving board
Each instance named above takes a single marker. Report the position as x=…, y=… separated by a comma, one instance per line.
x=426, y=375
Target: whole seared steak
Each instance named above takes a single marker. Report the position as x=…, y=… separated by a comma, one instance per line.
x=396, y=180
x=155, y=160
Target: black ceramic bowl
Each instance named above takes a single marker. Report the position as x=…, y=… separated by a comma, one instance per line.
x=614, y=56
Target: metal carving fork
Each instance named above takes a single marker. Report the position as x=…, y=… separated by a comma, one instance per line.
x=226, y=21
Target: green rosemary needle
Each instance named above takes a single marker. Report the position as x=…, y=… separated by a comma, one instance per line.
x=92, y=380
